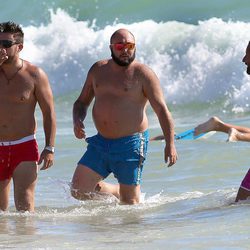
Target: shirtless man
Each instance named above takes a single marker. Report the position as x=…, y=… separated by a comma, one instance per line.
x=22, y=85
x=121, y=88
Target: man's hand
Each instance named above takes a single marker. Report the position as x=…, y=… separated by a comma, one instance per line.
x=47, y=158
x=79, y=129
x=3, y=56
x=170, y=155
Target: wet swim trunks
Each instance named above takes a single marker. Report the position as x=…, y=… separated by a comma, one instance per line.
x=124, y=157
x=14, y=152
x=245, y=184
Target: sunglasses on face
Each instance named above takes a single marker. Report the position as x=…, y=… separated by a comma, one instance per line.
x=121, y=46
x=7, y=43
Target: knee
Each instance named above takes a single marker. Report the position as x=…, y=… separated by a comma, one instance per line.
x=25, y=201
x=80, y=194
x=3, y=208
x=132, y=201
x=4, y=204
x=129, y=194
x=76, y=194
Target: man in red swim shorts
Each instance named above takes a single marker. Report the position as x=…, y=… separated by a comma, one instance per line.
x=22, y=85
x=12, y=153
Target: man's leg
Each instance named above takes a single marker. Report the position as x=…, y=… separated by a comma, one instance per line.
x=130, y=194
x=244, y=190
x=24, y=179
x=4, y=194
x=108, y=188
x=242, y=194
x=87, y=184
x=215, y=124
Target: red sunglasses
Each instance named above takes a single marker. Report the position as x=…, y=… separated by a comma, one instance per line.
x=121, y=46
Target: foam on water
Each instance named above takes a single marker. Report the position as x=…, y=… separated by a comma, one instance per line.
x=195, y=63
x=186, y=203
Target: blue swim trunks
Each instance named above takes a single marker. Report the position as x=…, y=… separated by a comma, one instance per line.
x=124, y=157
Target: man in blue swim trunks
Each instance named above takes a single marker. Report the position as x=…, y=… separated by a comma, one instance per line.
x=121, y=88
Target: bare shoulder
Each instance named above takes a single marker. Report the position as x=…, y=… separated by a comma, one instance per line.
x=144, y=72
x=35, y=73
x=99, y=65
x=97, y=70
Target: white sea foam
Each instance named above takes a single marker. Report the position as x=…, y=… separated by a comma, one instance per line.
x=195, y=63
x=186, y=203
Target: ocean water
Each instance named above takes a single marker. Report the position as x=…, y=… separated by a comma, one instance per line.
x=196, y=49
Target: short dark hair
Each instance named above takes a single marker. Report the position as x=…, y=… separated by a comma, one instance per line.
x=13, y=28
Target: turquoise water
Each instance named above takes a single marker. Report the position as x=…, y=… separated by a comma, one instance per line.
x=196, y=48
x=106, y=12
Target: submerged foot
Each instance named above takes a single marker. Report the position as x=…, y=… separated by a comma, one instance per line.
x=210, y=125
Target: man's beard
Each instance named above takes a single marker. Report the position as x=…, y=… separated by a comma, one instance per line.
x=121, y=62
x=248, y=70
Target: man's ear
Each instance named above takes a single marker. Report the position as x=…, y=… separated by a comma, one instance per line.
x=20, y=47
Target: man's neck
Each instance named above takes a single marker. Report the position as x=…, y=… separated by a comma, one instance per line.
x=15, y=63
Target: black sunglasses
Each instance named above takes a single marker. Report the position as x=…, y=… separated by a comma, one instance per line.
x=7, y=43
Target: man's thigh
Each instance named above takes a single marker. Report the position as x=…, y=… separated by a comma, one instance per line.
x=4, y=193
x=85, y=179
x=24, y=179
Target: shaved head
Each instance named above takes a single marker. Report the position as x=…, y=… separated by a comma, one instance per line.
x=120, y=34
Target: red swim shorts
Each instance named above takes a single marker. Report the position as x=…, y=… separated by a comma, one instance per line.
x=245, y=184
x=12, y=153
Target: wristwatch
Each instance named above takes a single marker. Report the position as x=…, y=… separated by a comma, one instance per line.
x=50, y=148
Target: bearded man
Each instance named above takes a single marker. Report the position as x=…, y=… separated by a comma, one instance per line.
x=121, y=88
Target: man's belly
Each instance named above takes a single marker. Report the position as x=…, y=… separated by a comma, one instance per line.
x=14, y=130
x=116, y=128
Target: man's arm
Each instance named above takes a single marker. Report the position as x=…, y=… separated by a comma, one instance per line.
x=44, y=97
x=152, y=90
x=81, y=106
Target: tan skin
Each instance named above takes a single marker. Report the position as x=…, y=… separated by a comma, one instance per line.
x=120, y=94
x=18, y=99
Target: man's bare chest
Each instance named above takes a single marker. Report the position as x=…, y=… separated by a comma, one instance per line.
x=16, y=92
x=125, y=85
